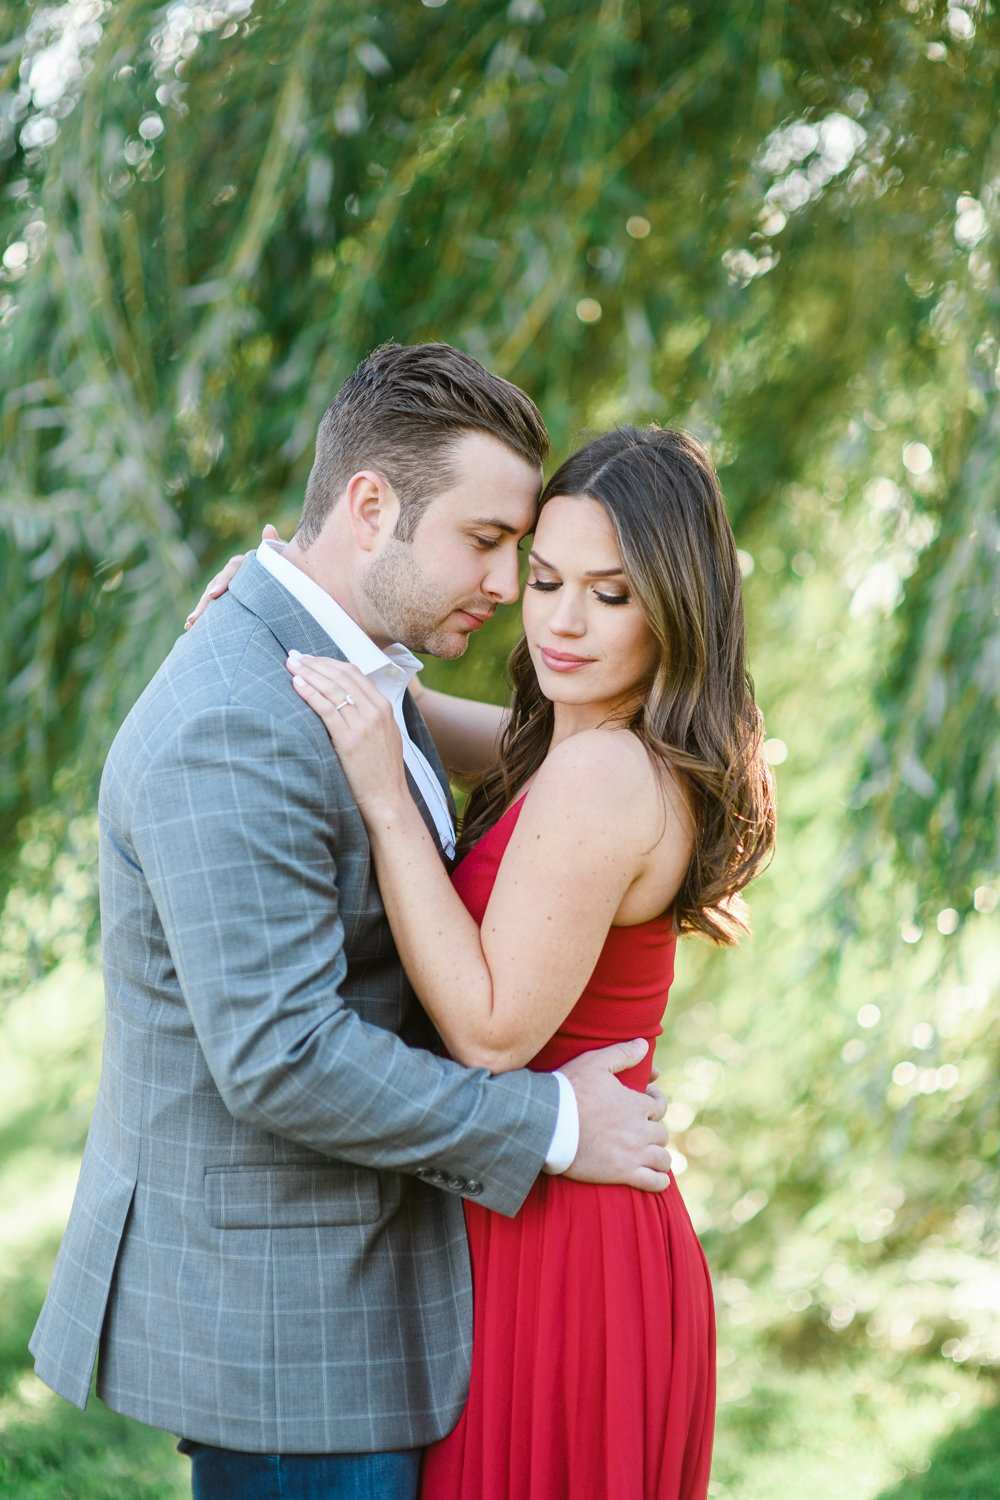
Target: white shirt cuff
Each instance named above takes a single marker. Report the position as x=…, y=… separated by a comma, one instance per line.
x=566, y=1136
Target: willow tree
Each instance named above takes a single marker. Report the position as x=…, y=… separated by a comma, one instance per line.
x=771, y=226
x=774, y=231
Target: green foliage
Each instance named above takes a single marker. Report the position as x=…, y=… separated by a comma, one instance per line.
x=741, y=219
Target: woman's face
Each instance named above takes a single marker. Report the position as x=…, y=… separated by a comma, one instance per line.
x=589, y=641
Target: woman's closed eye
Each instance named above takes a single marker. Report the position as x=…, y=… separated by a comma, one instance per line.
x=547, y=585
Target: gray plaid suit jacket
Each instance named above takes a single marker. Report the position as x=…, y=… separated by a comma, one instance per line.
x=267, y=1242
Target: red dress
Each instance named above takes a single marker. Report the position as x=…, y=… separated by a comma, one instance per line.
x=593, y=1361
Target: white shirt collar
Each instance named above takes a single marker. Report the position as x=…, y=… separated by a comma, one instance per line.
x=344, y=631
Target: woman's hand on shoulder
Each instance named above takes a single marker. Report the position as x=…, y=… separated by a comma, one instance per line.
x=362, y=730
x=220, y=583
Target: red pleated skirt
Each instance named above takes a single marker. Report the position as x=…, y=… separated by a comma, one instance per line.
x=593, y=1372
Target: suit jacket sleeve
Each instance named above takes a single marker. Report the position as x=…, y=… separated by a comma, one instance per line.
x=251, y=852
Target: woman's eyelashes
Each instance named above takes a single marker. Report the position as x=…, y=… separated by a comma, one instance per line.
x=546, y=586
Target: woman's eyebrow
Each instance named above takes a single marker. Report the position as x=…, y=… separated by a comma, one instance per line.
x=618, y=572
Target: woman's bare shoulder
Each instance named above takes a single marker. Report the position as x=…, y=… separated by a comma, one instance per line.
x=604, y=771
x=609, y=778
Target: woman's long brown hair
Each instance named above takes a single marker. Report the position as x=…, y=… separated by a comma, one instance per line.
x=698, y=714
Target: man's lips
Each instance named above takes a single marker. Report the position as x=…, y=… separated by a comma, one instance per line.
x=474, y=621
x=563, y=661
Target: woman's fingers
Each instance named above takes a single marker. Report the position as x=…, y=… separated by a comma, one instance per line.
x=338, y=691
x=319, y=702
x=218, y=585
x=361, y=726
x=223, y=579
x=333, y=678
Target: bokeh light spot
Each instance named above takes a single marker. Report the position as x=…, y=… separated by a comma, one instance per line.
x=918, y=458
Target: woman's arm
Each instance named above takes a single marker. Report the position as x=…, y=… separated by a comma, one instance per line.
x=465, y=731
x=498, y=992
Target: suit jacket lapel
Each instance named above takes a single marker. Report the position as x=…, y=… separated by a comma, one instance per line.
x=289, y=622
x=421, y=736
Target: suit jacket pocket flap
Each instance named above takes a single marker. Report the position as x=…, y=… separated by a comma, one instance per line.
x=287, y=1196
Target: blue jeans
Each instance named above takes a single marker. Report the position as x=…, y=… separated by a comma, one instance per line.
x=222, y=1474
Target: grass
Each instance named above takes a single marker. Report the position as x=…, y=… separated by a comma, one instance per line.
x=851, y=1423
x=965, y=1465
x=49, y=1044
x=853, y=1429
x=53, y=1452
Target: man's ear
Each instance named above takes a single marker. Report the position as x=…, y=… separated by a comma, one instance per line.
x=372, y=509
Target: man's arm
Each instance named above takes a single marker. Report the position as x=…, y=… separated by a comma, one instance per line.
x=236, y=836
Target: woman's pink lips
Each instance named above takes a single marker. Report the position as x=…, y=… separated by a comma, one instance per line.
x=561, y=661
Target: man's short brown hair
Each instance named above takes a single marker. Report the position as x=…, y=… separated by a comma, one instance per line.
x=401, y=412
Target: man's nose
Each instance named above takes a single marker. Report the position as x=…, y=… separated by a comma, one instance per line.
x=502, y=582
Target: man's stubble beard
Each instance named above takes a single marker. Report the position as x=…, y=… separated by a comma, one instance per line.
x=410, y=610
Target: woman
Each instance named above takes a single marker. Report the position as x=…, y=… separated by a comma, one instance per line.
x=630, y=804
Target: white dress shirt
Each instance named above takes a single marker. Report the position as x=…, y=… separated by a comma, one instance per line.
x=390, y=670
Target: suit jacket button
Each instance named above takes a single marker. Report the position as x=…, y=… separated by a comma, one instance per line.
x=473, y=1188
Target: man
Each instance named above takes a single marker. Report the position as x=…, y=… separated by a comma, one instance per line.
x=267, y=1243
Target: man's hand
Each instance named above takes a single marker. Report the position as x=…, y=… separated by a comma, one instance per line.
x=660, y=1101
x=622, y=1137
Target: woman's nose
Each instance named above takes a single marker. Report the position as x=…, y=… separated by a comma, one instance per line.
x=567, y=617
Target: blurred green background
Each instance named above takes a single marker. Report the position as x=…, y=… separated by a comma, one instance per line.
x=770, y=222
